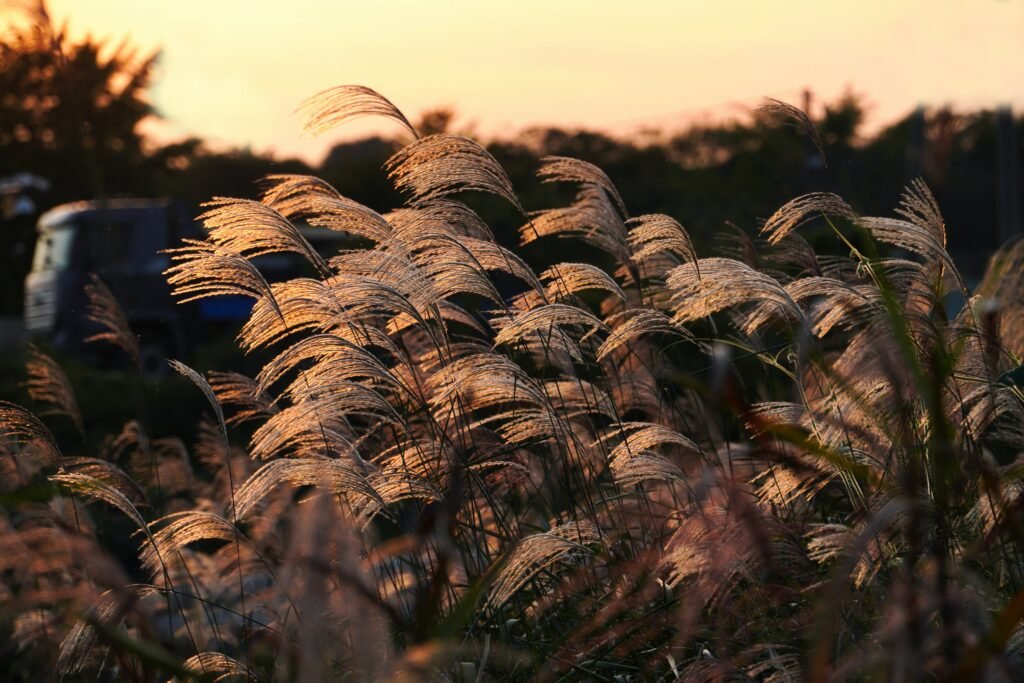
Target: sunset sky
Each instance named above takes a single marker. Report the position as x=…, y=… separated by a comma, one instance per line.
x=234, y=70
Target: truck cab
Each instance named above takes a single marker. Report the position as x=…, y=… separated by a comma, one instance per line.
x=121, y=242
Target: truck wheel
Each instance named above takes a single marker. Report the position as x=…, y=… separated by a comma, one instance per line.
x=153, y=355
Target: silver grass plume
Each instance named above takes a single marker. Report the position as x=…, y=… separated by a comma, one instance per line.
x=244, y=394
x=724, y=283
x=335, y=106
x=566, y=279
x=917, y=238
x=174, y=532
x=566, y=169
x=344, y=359
x=301, y=197
x=840, y=303
x=110, y=474
x=49, y=385
x=78, y=644
x=203, y=269
x=795, y=117
x=634, y=459
x=658, y=233
x=440, y=165
x=918, y=205
x=591, y=218
x=217, y=667
x=333, y=475
x=444, y=214
x=84, y=485
x=250, y=228
x=627, y=325
x=19, y=426
x=803, y=209
x=555, y=322
x=104, y=310
x=295, y=195
x=538, y=553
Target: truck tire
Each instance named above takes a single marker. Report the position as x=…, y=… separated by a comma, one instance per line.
x=155, y=349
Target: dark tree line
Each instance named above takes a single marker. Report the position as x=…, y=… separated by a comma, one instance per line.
x=70, y=112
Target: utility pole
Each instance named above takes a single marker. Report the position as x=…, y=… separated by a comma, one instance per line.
x=1007, y=178
x=916, y=142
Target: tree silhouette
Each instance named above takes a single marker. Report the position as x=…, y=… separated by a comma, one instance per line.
x=70, y=109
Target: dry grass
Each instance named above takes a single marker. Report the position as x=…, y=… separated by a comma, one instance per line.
x=681, y=468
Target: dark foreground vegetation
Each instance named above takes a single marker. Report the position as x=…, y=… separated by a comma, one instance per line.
x=649, y=461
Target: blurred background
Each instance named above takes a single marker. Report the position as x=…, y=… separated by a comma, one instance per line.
x=147, y=109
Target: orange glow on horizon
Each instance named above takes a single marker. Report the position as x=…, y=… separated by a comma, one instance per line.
x=235, y=74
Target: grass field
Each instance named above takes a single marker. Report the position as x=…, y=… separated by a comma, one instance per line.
x=768, y=463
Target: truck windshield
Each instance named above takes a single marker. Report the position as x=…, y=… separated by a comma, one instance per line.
x=53, y=248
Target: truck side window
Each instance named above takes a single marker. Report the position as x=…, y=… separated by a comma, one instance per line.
x=151, y=237
x=110, y=245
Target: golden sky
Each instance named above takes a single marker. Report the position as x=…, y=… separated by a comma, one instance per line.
x=234, y=70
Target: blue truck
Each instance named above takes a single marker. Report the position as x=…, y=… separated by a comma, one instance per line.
x=121, y=242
